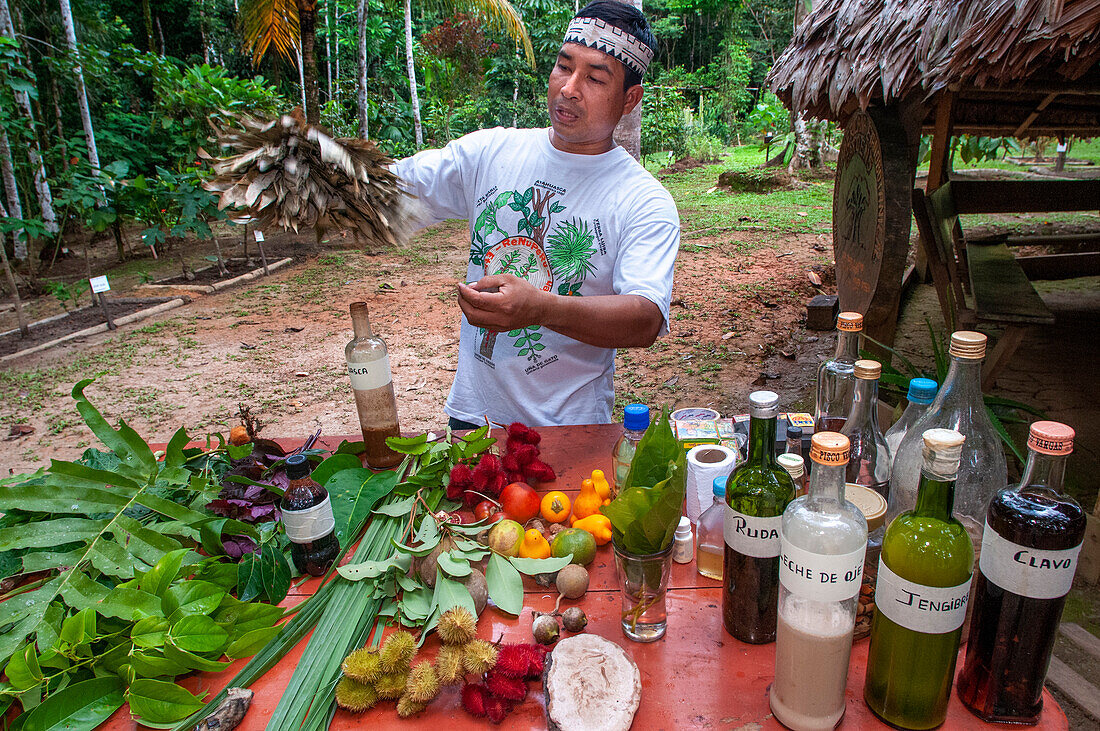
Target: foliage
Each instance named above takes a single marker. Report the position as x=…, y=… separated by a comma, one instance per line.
x=769, y=115
x=66, y=293
x=704, y=147
x=172, y=204
x=663, y=128
x=461, y=41
x=127, y=603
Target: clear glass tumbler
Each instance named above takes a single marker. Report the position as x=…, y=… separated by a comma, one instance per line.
x=643, y=580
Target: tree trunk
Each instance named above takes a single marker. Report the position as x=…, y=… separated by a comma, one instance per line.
x=414, y=97
x=328, y=49
x=803, y=155
x=302, y=81
x=24, y=329
x=202, y=33
x=307, y=24
x=11, y=189
x=41, y=184
x=81, y=92
x=628, y=133
x=361, y=80
x=147, y=16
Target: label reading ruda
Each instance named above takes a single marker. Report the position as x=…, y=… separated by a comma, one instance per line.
x=933, y=610
x=367, y=376
x=304, y=526
x=752, y=536
x=1030, y=572
x=820, y=577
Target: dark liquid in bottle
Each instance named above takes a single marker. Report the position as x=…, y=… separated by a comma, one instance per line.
x=376, y=453
x=316, y=556
x=1012, y=636
x=750, y=599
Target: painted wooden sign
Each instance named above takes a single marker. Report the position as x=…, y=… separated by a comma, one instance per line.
x=859, y=214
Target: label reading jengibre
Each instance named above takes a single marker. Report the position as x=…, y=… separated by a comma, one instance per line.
x=1030, y=572
x=821, y=577
x=752, y=536
x=932, y=610
x=367, y=376
x=304, y=526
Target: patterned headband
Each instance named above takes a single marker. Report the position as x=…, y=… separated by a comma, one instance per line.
x=616, y=42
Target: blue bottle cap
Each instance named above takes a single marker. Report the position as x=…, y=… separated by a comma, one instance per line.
x=636, y=417
x=922, y=390
x=720, y=486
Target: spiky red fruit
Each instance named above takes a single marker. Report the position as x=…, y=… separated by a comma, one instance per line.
x=497, y=708
x=540, y=471
x=501, y=686
x=462, y=479
x=511, y=463
x=535, y=655
x=517, y=430
x=473, y=699
x=526, y=454
x=512, y=661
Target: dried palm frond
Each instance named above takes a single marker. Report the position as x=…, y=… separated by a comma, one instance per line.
x=287, y=173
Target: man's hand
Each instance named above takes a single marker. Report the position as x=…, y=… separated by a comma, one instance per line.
x=502, y=302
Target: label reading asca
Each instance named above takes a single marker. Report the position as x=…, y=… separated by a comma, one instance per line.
x=1030, y=572
x=367, y=376
x=752, y=536
x=933, y=610
x=824, y=578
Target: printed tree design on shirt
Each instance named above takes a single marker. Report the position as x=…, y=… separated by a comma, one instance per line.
x=485, y=225
x=570, y=250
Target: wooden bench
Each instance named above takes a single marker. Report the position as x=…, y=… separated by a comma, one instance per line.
x=1002, y=294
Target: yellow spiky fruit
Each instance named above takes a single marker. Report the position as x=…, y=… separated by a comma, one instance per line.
x=363, y=665
x=392, y=685
x=456, y=626
x=479, y=657
x=423, y=683
x=448, y=664
x=351, y=695
x=406, y=707
x=396, y=651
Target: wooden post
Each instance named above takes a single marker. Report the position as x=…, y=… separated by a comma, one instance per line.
x=941, y=142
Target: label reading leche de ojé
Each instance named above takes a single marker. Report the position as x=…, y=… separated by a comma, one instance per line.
x=752, y=536
x=367, y=376
x=1030, y=572
x=304, y=526
x=824, y=578
x=932, y=610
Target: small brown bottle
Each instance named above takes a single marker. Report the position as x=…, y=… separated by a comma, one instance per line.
x=369, y=368
x=308, y=519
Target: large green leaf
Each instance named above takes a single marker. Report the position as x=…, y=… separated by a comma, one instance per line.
x=150, y=632
x=275, y=573
x=157, y=701
x=450, y=593
x=198, y=633
x=50, y=533
x=79, y=707
x=130, y=448
x=354, y=493
x=332, y=465
x=250, y=643
x=505, y=584
x=192, y=597
x=158, y=579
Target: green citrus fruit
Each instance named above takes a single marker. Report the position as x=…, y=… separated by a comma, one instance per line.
x=574, y=541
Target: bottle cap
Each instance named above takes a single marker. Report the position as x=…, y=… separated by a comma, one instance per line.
x=297, y=466
x=795, y=465
x=719, y=486
x=922, y=391
x=849, y=322
x=636, y=417
x=1050, y=437
x=868, y=370
x=942, y=452
x=683, y=529
x=869, y=502
x=763, y=404
x=967, y=344
x=829, y=448
x=794, y=433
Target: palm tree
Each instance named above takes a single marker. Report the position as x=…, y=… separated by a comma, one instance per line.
x=290, y=27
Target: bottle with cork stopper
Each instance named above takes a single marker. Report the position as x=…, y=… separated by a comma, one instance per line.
x=369, y=368
x=958, y=405
x=921, y=597
x=1032, y=540
x=836, y=376
x=823, y=538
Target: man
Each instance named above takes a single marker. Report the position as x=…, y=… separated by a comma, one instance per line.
x=572, y=241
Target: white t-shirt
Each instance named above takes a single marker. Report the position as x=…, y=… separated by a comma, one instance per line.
x=570, y=224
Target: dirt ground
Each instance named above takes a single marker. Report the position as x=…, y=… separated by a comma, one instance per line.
x=276, y=344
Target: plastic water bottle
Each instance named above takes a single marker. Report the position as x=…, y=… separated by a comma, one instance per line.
x=635, y=422
x=921, y=393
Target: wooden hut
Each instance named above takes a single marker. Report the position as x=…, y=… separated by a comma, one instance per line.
x=890, y=70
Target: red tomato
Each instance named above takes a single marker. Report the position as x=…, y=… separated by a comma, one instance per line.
x=520, y=502
x=487, y=509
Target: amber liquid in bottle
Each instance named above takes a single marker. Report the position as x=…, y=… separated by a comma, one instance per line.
x=308, y=520
x=369, y=368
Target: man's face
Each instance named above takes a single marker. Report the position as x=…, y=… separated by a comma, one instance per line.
x=586, y=99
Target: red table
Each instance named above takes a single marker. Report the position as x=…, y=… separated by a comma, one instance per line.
x=697, y=676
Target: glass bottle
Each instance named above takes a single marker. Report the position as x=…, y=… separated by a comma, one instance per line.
x=711, y=547
x=823, y=540
x=635, y=422
x=869, y=463
x=796, y=468
x=794, y=441
x=921, y=393
x=958, y=406
x=836, y=376
x=308, y=520
x=757, y=493
x=1032, y=539
x=369, y=368
x=921, y=596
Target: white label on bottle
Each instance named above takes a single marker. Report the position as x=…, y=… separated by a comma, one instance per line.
x=367, y=376
x=1030, y=572
x=752, y=536
x=933, y=610
x=303, y=526
x=823, y=578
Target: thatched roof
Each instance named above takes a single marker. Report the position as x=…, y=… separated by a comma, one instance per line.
x=849, y=53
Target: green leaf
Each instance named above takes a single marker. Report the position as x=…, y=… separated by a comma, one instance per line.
x=157, y=701
x=250, y=643
x=198, y=633
x=354, y=493
x=61, y=498
x=398, y=508
x=125, y=442
x=22, y=670
x=192, y=661
x=533, y=566
x=250, y=583
x=505, y=584
x=450, y=593
x=409, y=445
x=153, y=663
x=192, y=597
x=374, y=569
x=79, y=707
x=456, y=566
x=244, y=618
x=416, y=604
x=275, y=573
x=150, y=632
x=50, y=533
x=80, y=628
x=334, y=464
x=157, y=579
